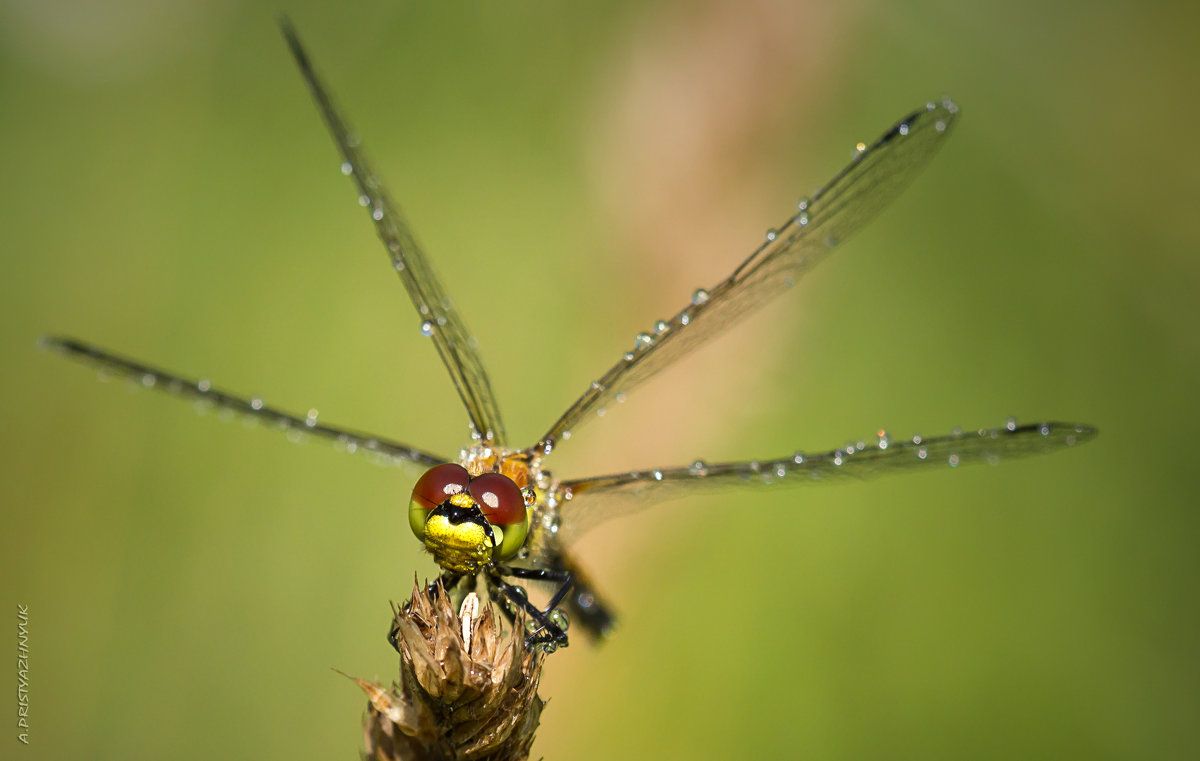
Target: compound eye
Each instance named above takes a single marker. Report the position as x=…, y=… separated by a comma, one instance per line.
x=437, y=485
x=499, y=498
x=440, y=483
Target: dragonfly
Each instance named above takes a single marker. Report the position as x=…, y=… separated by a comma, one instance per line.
x=495, y=514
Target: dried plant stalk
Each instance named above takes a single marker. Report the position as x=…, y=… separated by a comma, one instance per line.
x=467, y=690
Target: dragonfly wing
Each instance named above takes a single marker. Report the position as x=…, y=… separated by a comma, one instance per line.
x=439, y=320
x=205, y=393
x=586, y=502
x=852, y=198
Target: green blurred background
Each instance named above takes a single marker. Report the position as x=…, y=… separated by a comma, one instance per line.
x=575, y=170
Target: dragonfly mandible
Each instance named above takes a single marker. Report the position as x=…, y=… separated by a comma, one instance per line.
x=495, y=512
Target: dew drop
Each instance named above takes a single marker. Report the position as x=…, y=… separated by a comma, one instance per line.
x=643, y=340
x=148, y=380
x=1044, y=430
x=772, y=234
x=802, y=204
x=940, y=125
x=1010, y=424
x=916, y=439
x=203, y=385
x=658, y=475
x=559, y=619
x=597, y=386
x=427, y=328
x=310, y=420
x=799, y=458
x=953, y=461
x=860, y=148
x=956, y=432
x=699, y=296
x=904, y=128
x=661, y=326
x=364, y=200
x=922, y=453
x=601, y=411
x=883, y=441
x=566, y=435
x=377, y=214
x=698, y=468
x=256, y=403
x=620, y=397
x=685, y=317
x=838, y=457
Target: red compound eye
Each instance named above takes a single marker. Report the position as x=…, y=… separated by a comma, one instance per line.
x=499, y=498
x=440, y=483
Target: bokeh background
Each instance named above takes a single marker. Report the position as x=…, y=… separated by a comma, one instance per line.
x=575, y=170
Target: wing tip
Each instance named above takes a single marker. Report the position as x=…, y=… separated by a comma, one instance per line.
x=292, y=37
x=58, y=344
x=1081, y=432
x=1070, y=434
x=943, y=111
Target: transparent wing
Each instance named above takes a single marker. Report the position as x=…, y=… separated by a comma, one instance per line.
x=439, y=320
x=584, y=503
x=852, y=198
x=202, y=391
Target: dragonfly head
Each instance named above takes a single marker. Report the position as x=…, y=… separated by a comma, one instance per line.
x=467, y=522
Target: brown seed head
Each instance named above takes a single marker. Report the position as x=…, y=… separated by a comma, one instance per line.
x=468, y=686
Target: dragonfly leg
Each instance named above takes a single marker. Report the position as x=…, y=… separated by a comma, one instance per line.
x=447, y=581
x=583, y=604
x=547, y=632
